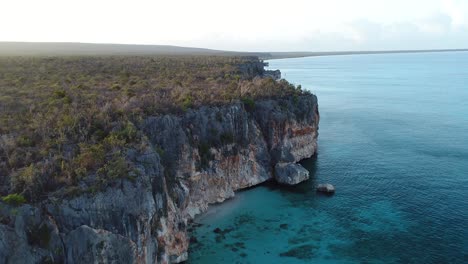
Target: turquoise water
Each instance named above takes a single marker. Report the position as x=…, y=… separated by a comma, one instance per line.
x=394, y=142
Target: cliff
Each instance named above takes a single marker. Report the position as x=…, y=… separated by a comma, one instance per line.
x=185, y=163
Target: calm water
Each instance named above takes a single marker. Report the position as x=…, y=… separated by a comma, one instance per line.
x=394, y=142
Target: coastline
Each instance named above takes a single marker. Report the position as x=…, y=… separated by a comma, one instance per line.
x=184, y=162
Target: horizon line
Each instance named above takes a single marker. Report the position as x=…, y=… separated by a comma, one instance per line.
x=194, y=50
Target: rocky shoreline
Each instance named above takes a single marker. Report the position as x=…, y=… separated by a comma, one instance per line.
x=185, y=163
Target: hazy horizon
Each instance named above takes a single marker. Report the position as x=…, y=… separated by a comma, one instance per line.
x=234, y=51
x=296, y=25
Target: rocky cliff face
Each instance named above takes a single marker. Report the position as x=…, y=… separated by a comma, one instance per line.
x=184, y=164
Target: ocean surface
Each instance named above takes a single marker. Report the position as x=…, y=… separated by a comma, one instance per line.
x=394, y=142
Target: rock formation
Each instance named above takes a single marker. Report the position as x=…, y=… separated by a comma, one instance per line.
x=185, y=163
x=290, y=173
x=326, y=188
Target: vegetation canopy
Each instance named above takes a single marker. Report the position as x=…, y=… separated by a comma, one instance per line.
x=63, y=119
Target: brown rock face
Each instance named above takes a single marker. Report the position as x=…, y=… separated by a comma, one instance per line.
x=276, y=132
x=186, y=163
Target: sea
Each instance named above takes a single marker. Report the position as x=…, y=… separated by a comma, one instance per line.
x=393, y=141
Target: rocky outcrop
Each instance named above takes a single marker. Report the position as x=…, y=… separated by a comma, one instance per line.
x=252, y=68
x=276, y=74
x=326, y=188
x=184, y=164
x=290, y=173
x=27, y=235
x=87, y=245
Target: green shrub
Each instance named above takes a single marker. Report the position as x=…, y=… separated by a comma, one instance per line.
x=59, y=94
x=14, y=199
x=116, y=87
x=67, y=99
x=24, y=141
x=116, y=168
x=80, y=87
x=129, y=92
x=129, y=132
x=249, y=103
x=114, y=141
x=66, y=121
x=99, y=134
x=187, y=102
x=90, y=158
x=26, y=175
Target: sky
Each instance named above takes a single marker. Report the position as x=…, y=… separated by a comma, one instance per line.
x=242, y=25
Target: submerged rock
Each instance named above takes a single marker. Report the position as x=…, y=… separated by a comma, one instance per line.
x=304, y=252
x=290, y=173
x=326, y=188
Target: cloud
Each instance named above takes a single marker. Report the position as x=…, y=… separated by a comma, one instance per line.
x=453, y=8
x=261, y=25
x=441, y=30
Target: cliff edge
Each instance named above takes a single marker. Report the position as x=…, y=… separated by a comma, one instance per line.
x=183, y=164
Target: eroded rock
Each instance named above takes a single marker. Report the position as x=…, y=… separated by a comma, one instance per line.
x=185, y=163
x=87, y=245
x=290, y=173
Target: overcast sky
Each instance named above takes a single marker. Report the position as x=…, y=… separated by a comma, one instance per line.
x=245, y=25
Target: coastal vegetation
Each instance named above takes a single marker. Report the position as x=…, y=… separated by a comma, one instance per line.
x=68, y=119
x=14, y=199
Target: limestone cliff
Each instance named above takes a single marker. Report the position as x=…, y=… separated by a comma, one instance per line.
x=185, y=163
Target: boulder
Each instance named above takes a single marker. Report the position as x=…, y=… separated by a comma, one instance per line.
x=326, y=188
x=290, y=173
